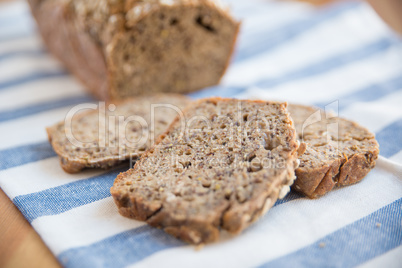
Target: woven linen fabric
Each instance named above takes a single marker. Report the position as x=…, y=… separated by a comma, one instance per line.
x=339, y=55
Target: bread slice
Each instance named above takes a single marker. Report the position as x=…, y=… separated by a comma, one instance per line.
x=339, y=152
x=126, y=48
x=99, y=139
x=221, y=166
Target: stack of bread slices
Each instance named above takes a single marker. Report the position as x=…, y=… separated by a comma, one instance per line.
x=213, y=164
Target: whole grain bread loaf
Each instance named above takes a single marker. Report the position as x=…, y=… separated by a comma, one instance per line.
x=339, y=152
x=221, y=166
x=125, y=48
x=107, y=136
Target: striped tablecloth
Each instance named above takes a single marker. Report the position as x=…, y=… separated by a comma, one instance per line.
x=341, y=54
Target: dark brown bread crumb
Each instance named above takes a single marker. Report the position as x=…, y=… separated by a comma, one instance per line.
x=126, y=48
x=223, y=172
x=339, y=152
x=103, y=141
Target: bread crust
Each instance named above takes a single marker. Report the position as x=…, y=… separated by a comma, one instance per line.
x=76, y=164
x=319, y=172
x=194, y=229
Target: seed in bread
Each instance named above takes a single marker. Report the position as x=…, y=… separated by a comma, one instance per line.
x=124, y=130
x=223, y=170
x=339, y=152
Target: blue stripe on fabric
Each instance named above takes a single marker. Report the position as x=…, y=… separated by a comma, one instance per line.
x=24, y=154
x=353, y=244
x=41, y=107
x=314, y=69
x=270, y=40
x=120, y=250
x=370, y=93
x=62, y=198
x=390, y=139
x=24, y=53
x=30, y=78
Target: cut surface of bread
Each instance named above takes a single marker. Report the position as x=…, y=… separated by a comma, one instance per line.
x=339, y=152
x=105, y=137
x=126, y=48
x=221, y=167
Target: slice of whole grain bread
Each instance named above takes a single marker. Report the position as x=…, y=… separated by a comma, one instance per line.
x=339, y=152
x=224, y=170
x=99, y=139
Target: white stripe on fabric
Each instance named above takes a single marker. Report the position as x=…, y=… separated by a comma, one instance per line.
x=375, y=115
x=84, y=225
x=290, y=57
x=14, y=133
x=15, y=24
x=276, y=231
x=391, y=259
x=245, y=9
x=18, y=26
x=40, y=91
x=48, y=174
x=21, y=66
x=29, y=42
x=394, y=168
x=14, y=10
x=273, y=18
x=269, y=18
x=330, y=86
x=397, y=158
